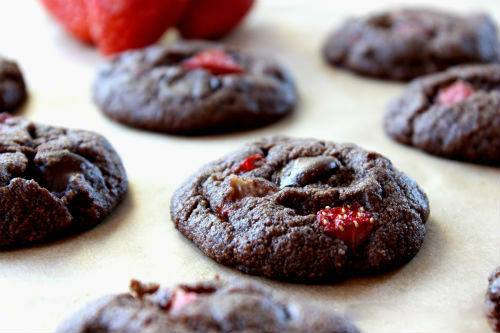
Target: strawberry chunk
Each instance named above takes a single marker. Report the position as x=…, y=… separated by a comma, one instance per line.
x=454, y=93
x=182, y=298
x=211, y=19
x=215, y=61
x=352, y=223
x=72, y=14
x=250, y=163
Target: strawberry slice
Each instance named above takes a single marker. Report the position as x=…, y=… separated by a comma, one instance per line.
x=454, y=93
x=352, y=223
x=211, y=19
x=118, y=25
x=250, y=163
x=72, y=14
x=215, y=61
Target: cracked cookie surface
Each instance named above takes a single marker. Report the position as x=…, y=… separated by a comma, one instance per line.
x=210, y=306
x=454, y=114
x=153, y=89
x=406, y=43
x=12, y=86
x=492, y=301
x=263, y=219
x=54, y=181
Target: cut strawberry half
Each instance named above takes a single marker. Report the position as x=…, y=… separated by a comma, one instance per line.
x=454, y=93
x=215, y=61
x=352, y=223
x=250, y=163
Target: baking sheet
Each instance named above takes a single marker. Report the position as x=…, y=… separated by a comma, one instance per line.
x=442, y=289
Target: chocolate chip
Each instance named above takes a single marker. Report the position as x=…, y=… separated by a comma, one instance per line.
x=305, y=170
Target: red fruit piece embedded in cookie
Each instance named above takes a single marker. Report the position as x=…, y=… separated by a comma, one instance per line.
x=351, y=223
x=215, y=61
x=181, y=298
x=72, y=14
x=209, y=19
x=118, y=25
x=250, y=163
x=455, y=93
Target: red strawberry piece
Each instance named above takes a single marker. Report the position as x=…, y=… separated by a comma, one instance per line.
x=181, y=298
x=118, y=25
x=211, y=19
x=214, y=60
x=72, y=14
x=455, y=93
x=250, y=163
x=352, y=224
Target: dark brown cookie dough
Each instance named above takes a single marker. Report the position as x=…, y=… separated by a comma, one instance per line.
x=12, y=87
x=492, y=302
x=467, y=129
x=264, y=220
x=406, y=43
x=54, y=181
x=212, y=306
x=151, y=89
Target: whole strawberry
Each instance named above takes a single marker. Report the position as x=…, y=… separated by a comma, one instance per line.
x=211, y=19
x=352, y=223
x=118, y=25
x=72, y=14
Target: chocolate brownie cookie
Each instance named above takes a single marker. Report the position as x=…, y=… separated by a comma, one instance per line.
x=492, y=302
x=454, y=114
x=300, y=209
x=193, y=88
x=212, y=306
x=12, y=87
x=54, y=181
x=403, y=44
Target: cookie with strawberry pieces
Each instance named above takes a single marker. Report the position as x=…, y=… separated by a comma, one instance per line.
x=193, y=88
x=208, y=306
x=454, y=114
x=302, y=209
x=406, y=43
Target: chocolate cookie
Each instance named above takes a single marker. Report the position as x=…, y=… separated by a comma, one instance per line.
x=492, y=302
x=54, y=181
x=212, y=306
x=403, y=44
x=300, y=209
x=12, y=87
x=455, y=114
x=193, y=88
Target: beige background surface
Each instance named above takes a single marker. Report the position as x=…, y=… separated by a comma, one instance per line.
x=440, y=290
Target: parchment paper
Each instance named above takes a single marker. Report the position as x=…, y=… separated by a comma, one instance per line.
x=442, y=289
